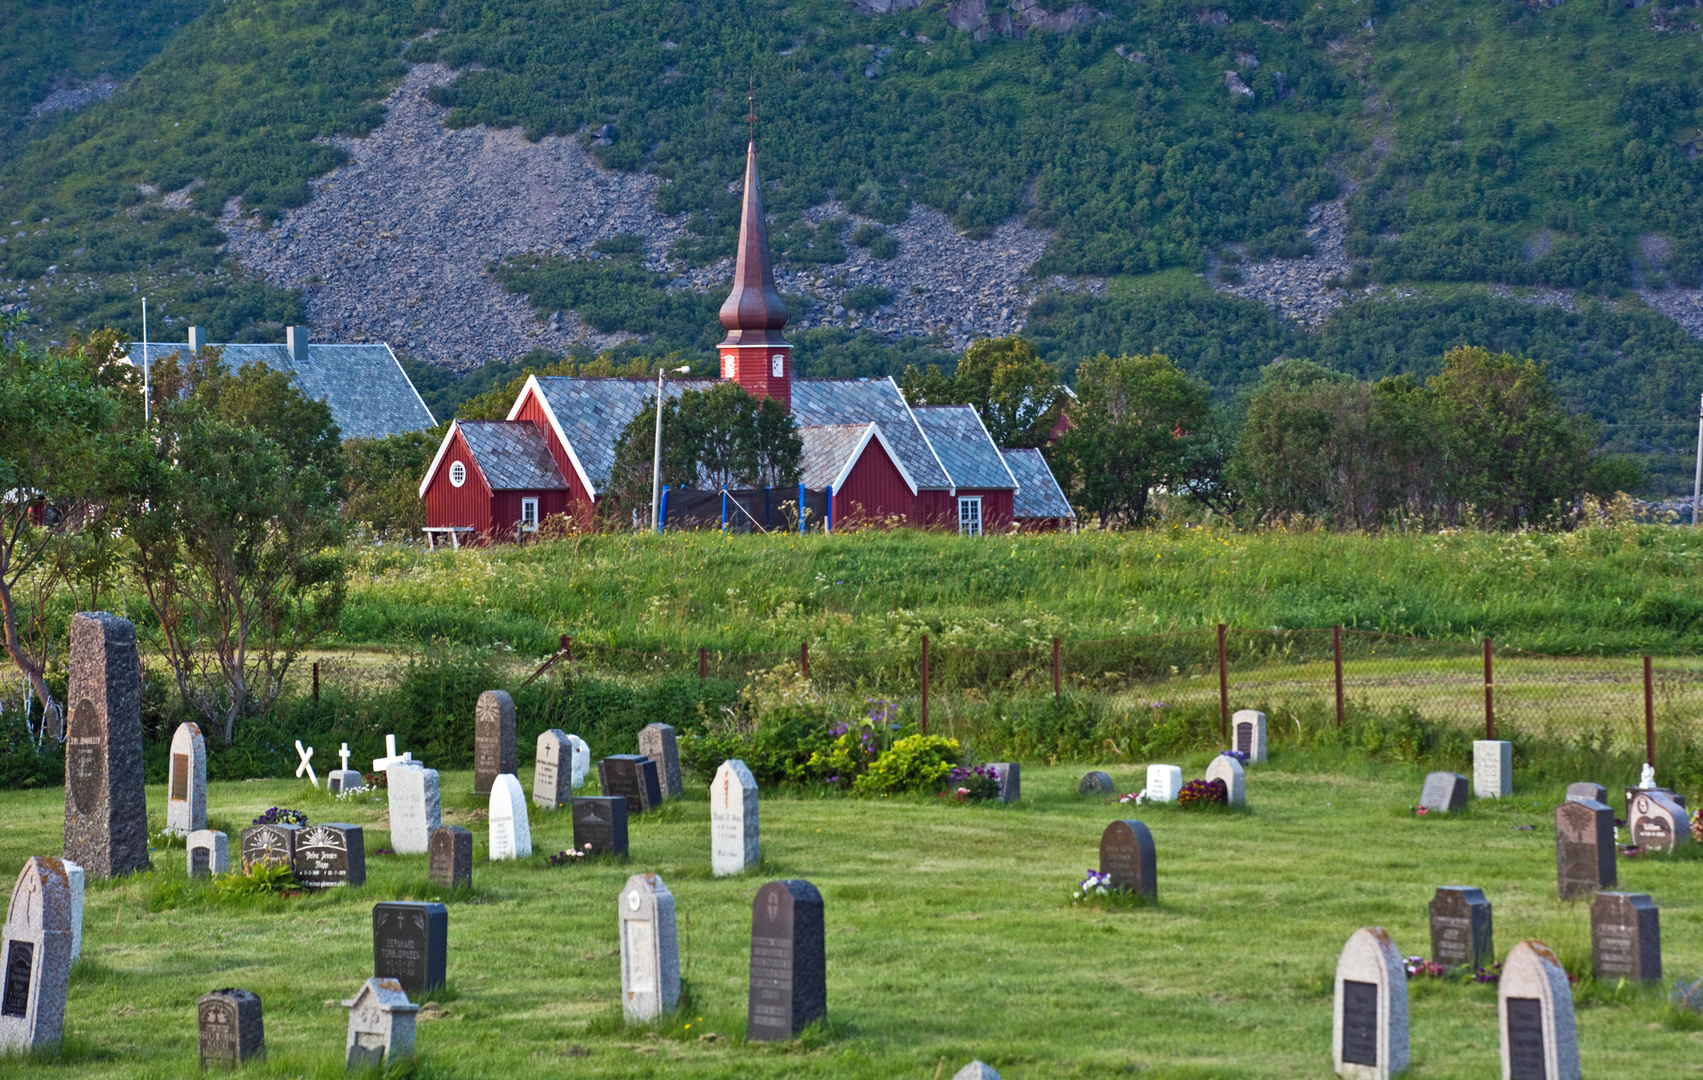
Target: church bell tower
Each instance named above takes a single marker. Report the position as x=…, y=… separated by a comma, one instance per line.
x=755, y=354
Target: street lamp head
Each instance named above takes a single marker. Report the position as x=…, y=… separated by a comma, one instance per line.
x=683, y=369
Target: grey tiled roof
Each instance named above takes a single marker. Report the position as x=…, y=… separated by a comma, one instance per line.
x=369, y=394
x=860, y=401
x=592, y=412
x=1038, y=493
x=964, y=446
x=512, y=455
x=826, y=448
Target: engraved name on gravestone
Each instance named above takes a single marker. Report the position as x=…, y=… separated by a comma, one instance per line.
x=1127, y=857
x=658, y=742
x=1096, y=783
x=1657, y=823
x=552, y=770
x=733, y=819
x=330, y=856
x=1369, y=1041
x=451, y=859
x=510, y=831
x=273, y=845
x=35, y=947
x=1228, y=769
x=1461, y=928
x=1587, y=790
x=1492, y=768
x=1584, y=848
x=415, y=809
x=634, y=776
x=1444, y=792
x=208, y=853
x=1164, y=782
x=600, y=824
x=186, y=781
x=789, y=974
x=230, y=1027
x=650, y=953
x=494, y=751
x=1247, y=732
x=106, y=810
x=1626, y=937
x=410, y=944
x=1535, y=1003
x=381, y=1026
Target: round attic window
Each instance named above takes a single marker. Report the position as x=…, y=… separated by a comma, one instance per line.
x=457, y=474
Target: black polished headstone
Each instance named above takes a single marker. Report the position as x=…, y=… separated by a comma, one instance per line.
x=1126, y=854
x=230, y=1027
x=1584, y=848
x=1461, y=931
x=331, y=855
x=600, y=824
x=271, y=844
x=410, y=945
x=633, y=776
x=1359, y=1023
x=1096, y=783
x=1626, y=937
x=1525, y=1040
x=451, y=857
x=789, y=970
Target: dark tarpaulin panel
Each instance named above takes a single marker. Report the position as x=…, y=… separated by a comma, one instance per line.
x=765, y=509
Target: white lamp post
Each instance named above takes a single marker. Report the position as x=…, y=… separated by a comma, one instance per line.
x=656, y=459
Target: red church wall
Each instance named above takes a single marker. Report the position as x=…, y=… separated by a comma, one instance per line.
x=505, y=507
x=873, y=491
x=939, y=510
x=469, y=504
x=576, y=504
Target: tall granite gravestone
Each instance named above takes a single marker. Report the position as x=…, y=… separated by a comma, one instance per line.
x=451, y=859
x=208, y=853
x=1462, y=934
x=1010, y=775
x=1247, y=733
x=1444, y=793
x=789, y=968
x=1587, y=790
x=331, y=856
x=1369, y=1040
x=1127, y=857
x=1228, y=769
x=553, y=770
x=733, y=819
x=494, y=750
x=186, y=781
x=658, y=742
x=1163, y=783
x=230, y=1027
x=1096, y=783
x=650, y=951
x=106, y=810
x=411, y=944
x=273, y=845
x=1492, y=768
x=600, y=824
x=1536, y=1009
x=77, y=878
x=1626, y=937
x=1584, y=848
x=415, y=809
x=634, y=776
x=976, y=1070
x=1657, y=823
x=511, y=832
x=37, y=957
x=381, y=1026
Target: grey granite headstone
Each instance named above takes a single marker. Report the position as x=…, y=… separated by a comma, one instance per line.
x=1444, y=792
x=552, y=770
x=650, y=950
x=1247, y=734
x=411, y=944
x=634, y=776
x=208, y=853
x=1228, y=769
x=733, y=819
x=1010, y=775
x=789, y=972
x=186, y=781
x=600, y=824
x=1369, y=1040
x=1587, y=790
x=1584, y=848
x=1535, y=1005
x=415, y=809
x=106, y=809
x=1126, y=855
x=1492, y=768
x=77, y=879
x=451, y=859
x=274, y=845
x=976, y=1070
x=331, y=856
x=35, y=949
x=1462, y=934
x=230, y=1027
x=1626, y=937
x=381, y=1026
x=1095, y=783
x=1657, y=823
x=659, y=743
x=494, y=751
x=343, y=781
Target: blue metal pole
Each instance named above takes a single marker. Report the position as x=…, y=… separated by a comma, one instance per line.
x=828, y=522
x=801, y=509
x=662, y=513
x=723, y=509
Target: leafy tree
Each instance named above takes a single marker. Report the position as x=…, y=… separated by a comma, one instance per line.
x=1018, y=394
x=381, y=480
x=715, y=438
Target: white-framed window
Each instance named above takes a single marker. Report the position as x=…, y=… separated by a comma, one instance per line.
x=970, y=515
x=729, y=369
x=529, y=514
x=777, y=365
x=457, y=474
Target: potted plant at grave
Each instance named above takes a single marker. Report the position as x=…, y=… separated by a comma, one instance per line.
x=1198, y=793
x=971, y=783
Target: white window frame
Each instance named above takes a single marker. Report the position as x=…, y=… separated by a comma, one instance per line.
x=970, y=515
x=777, y=366
x=457, y=474
x=529, y=515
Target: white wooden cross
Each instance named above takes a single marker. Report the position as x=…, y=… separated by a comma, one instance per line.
x=390, y=755
x=307, y=756
x=344, y=754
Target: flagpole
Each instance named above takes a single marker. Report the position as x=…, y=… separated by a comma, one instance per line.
x=1697, y=479
x=144, y=360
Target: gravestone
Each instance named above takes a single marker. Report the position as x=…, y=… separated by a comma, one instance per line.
x=733, y=819
x=1127, y=857
x=414, y=807
x=582, y=760
x=106, y=809
x=1657, y=823
x=77, y=878
x=1369, y=1040
x=1632, y=794
x=1584, y=848
x=274, y=845
x=634, y=776
x=1228, y=769
x=1587, y=790
x=1096, y=783
x=186, y=781
x=976, y=1070
x=650, y=951
x=552, y=770
x=331, y=856
x=230, y=1027
x=1492, y=768
x=208, y=853
x=789, y=972
x=1163, y=783
x=36, y=943
x=1247, y=733
x=1535, y=1005
x=658, y=742
x=1010, y=775
x=451, y=859
x=1462, y=934
x=600, y=824
x=1626, y=937
x=511, y=832
x=1444, y=792
x=494, y=750
x=381, y=1026
x=344, y=780
x=410, y=944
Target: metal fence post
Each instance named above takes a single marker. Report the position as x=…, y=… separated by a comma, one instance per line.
x=1489, y=695
x=925, y=684
x=568, y=647
x=703, y=663
x=1057, y=672
x=804, y=659
x=1649, y=714
x=316, y=682
x=1336, y=647
x=1223, y=686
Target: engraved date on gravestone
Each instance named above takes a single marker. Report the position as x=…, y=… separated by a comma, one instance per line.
x=1359, y=1022
x=771, y=977
x=85, y=764
x=1525, y=1039
x=1245, y=738
x=20, y=962
x=180, y=777
x=220, y=1039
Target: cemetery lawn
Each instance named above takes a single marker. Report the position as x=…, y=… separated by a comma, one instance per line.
x=949, y=937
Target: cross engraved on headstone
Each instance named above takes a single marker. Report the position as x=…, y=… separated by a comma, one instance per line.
x=37, y=939
x=106, y=811
x=733, y=819
x=410, y=943
x=451, y=861
x=789, y=978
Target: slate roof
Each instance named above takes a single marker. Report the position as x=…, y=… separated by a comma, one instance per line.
x=592, y=412
x=1038, y=493
x=512, y=455
x=826, y=449
x=863, y=401
x=963, y=446
x=369, y=394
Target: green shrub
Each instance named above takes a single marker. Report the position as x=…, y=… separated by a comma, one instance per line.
x=867, y=298
x=885, y=246
x=914, y=763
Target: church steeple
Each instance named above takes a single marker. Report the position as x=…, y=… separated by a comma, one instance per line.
x=755, y=354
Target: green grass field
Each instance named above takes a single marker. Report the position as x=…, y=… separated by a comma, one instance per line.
x=949, y=937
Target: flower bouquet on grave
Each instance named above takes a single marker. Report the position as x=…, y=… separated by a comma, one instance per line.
x=1133, y=798
x=570, y=856
x=1096, y=890
x=1198, y=793
x=1420, y=968
x=971, y=784
x=1239, y=755
x=1487, y=975
x=280, y=815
